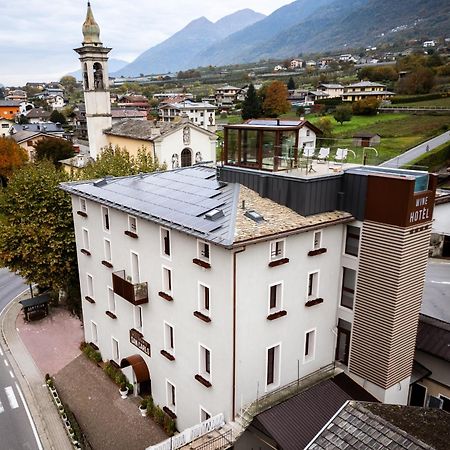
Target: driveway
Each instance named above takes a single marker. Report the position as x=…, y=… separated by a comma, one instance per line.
x=108, y=421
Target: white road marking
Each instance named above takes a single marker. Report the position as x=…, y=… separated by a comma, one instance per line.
x=1, y=352
x=6, y=362
x=33, y=426
x=11, y=373
x=438, y=282
x=1, y=408
x=11, y=397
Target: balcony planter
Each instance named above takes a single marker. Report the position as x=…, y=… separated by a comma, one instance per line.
x=82, y=213
x=276, y=315
x=107, y=264
x=317, y=251
x=131, y=234
x=167, y=355
x=165, y=296
x=85, y=252
x=278, y=262
x=201, y=263
x=203, y=381
x=202, y=316
x=313, y=302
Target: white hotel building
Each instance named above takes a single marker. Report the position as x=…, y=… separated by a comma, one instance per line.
x=212, y=289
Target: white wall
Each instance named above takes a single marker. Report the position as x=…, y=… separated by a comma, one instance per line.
x=304, y=140
x=189, y=330
x=173, y=145
x=256, y=333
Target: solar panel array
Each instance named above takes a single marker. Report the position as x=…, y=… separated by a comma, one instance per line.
x=179, y=197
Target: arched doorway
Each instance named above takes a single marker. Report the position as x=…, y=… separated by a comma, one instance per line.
x=141, y=373
x=186, y=157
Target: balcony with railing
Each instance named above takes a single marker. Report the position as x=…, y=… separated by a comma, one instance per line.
x=135, y=293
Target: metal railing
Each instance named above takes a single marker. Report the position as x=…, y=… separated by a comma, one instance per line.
x=218, y=443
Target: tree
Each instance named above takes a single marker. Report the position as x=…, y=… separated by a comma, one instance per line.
x=383, y=73
x=420, y=81
x=276, y=99
x=53, y=149
x=326, y=126
x=251, y=107
x=69, y=83
x=12, y=157
x=36, y=236
x=57, y=116
x=23, y=119
x=343, y=113
x=366, y=107
x=118, y=162
x=291, y=84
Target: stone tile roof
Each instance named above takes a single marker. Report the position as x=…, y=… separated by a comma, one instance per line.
x=277, y=218
x=181, y=198
x=433, y=337
x=139, y=129
x=123, y=113
x=359, y=426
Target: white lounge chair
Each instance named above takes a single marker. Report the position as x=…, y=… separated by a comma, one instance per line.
x=308, y=152
x=341, y=155
x=323, y=155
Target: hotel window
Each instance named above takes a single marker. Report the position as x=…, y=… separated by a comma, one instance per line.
x=310, y=344
x=169, y=338
x=352, y=240
x=171, y=396
x=313, y=285
x=204, y=415
x=83, y=205
x=132, y=224
x=105, y=216
x=107, y=247
x=277, y=250
x=275, y=294
x=115, y=350
x=135, y=273
x=90, y=286
x=138, y=318
x=94, y=333
x=205, y=363
x=317, y=242
x=203, y=251
x=204, y=299
x=111, y=301
x=273, y=367
x=86, y=245
x=165, y=242
x=167, y=280
x=348, y=287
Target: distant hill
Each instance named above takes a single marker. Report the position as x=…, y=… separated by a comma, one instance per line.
x=176, y=52
x=113, y=66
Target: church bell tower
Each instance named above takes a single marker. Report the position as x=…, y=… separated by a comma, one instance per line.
x=94, y=67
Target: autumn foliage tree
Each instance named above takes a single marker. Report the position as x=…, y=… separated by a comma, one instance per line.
x=276, y=99
x=12, y=156
x=36, y=234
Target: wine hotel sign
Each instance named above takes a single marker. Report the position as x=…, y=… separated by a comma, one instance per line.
x=137, y=339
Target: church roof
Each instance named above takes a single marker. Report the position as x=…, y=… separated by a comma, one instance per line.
x=147, y=130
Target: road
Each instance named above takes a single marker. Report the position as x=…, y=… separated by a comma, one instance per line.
x=410, y=155
x=17, y=430
x=436, y=295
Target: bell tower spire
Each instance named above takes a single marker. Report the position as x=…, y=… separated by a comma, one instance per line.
x=94, y=67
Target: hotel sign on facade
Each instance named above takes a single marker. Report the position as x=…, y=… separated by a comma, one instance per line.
x=137, y=339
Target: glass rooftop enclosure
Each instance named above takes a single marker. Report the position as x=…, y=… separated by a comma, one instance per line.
x=271, y=145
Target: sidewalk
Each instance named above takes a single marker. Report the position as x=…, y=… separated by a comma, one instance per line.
x=46, y=417
x=51, y=345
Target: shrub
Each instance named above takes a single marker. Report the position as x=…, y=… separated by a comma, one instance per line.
x=144, y=403
x=150, y=407
x=116, y=375
x=158, y=415
x=92, y=354
x=169, y=425
x=366, y=107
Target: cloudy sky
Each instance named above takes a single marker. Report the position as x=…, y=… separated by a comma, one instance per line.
x=37, y=36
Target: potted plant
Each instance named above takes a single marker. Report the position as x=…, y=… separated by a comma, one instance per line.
x=71, y=433
x=143, y=407
x=123, y=390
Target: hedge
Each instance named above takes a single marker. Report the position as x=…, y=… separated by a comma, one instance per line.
x=435, y=159
x=418, y=98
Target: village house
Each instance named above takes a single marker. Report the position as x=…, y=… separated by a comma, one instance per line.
x=332, y=89
x=199, y=113
x=9, y=109
x=226, y=96
x=365, y=89
x=5, y=127
x=296, y=64
x=37, y=115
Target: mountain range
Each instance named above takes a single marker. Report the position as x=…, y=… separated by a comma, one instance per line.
x=299, y=27
x=176, y=52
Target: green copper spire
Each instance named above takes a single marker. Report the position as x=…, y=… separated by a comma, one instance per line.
x=91, y=30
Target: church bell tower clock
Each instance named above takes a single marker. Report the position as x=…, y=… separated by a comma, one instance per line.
x=94, y=67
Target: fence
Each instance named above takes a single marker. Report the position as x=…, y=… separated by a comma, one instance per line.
x=190, y=434
x=218, y=443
